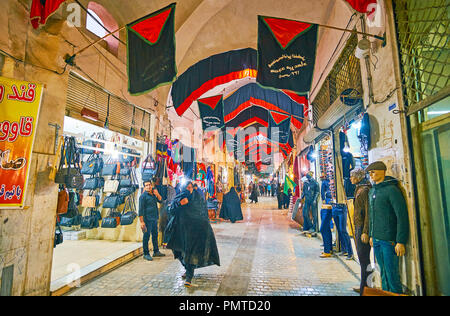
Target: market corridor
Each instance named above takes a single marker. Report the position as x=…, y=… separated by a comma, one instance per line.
x=263, y=255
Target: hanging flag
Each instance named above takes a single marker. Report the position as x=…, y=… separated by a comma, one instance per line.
x=286, y=53
x=41, y=10
x=288, y=184
x=279, y=127
x=211, y=112
x=363, y=6
x=151, y=51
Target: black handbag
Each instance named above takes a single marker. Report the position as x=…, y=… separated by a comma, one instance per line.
x=125, y=183
x=125, y=171
x=90, y=221
x=129, y=212
x=109, y=169
x=92, y=166
x=112, y=201
x=91, y=184
x=112, y=220
x=69, y=167
x=127, y=191
x=70, y=221
x=59, y=237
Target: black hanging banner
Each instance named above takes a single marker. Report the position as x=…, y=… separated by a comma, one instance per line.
x=211, y=112
x=286, y=53
x=151, y=51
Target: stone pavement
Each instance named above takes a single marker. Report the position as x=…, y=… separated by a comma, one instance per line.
x=262, y=255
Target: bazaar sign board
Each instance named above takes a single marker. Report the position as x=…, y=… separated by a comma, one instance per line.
x=19, y=111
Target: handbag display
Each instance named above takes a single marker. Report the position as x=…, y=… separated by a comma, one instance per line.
x=69, y=167
x=111, y=186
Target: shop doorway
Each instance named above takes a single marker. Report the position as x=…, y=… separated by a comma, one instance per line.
x=87, y=250
x=434, y=135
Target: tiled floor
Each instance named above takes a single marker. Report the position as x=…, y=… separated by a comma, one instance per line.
x=263, y=255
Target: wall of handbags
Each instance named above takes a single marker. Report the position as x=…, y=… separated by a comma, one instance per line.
x=98, y=189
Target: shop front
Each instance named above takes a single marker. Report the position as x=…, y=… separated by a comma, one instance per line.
x=98, y=169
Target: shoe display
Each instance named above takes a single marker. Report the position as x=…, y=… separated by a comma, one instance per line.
x=148, y=258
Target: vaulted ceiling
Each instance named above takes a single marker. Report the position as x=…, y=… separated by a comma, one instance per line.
x=207, y=27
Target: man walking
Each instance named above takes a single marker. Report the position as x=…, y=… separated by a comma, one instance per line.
x=148, y=216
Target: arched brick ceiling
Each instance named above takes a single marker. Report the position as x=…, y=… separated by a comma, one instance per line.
x=207, y=27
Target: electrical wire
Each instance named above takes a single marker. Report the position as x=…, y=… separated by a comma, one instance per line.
x=34, y=65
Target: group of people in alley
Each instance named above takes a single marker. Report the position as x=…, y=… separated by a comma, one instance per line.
x=380, y=221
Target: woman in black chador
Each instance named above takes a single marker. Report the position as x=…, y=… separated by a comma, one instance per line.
x=231, y=207
x=254, y=194
x=189, y=234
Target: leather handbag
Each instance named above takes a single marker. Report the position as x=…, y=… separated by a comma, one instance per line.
x=90, y=201
x=125, y=171
x=90, y=221
x=109, y=222
x=63, y=201
x=92, y=166
x=59, y=237
x=109, y=169
x=112, y=220
x=127, y=191
x=70, y=221
x=129, y=212
x=112, y=201
x=125, y=183
x=91, y=184
x=111, y=186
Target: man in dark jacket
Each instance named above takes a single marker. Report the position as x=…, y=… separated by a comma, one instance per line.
x=148, y=216
x=388, y=225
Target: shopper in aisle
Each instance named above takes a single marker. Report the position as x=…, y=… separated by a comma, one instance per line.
x=164, y=217
x=361, y=220
x=254, y=194
x=148, y=216
x=189, y=233
x=388, y=225
x=231, y=207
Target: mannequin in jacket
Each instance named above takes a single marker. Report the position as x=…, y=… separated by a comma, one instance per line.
x=388, y=225
x=310, y=193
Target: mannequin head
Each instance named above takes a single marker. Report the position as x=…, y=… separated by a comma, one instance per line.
x=377, y=176
x=377, y=171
